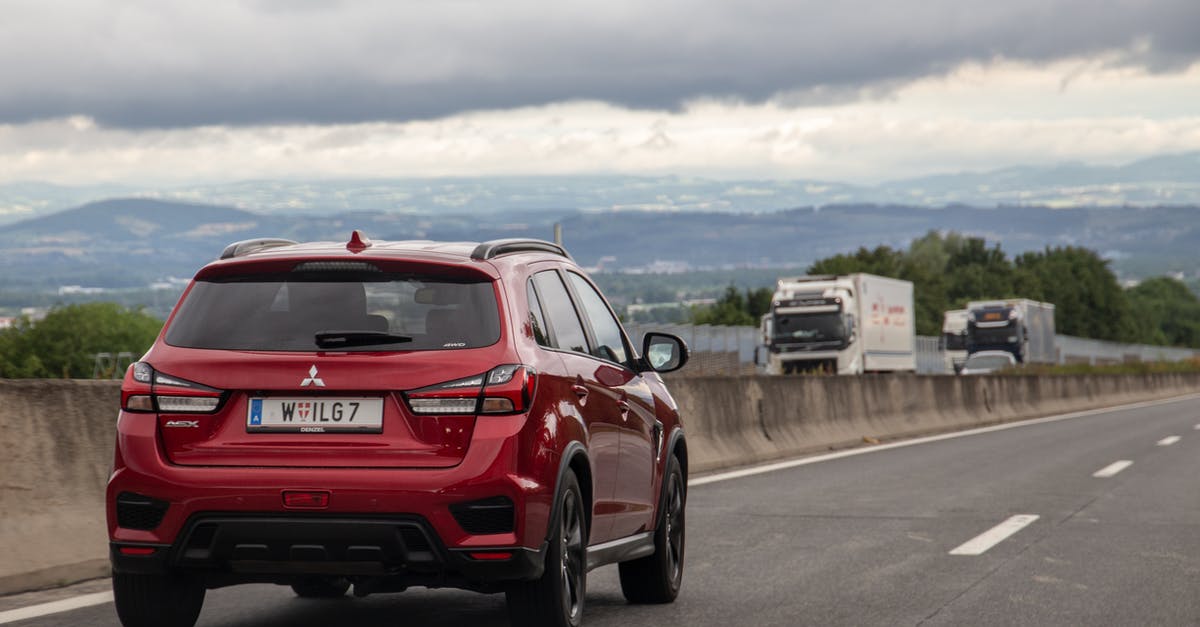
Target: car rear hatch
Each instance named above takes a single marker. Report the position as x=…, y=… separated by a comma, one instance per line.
x=314, y=365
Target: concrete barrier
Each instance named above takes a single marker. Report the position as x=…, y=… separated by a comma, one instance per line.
x=746, y=420
x=57, y=439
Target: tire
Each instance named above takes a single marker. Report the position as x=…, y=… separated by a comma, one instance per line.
x=157, y=600
x=656, y=578
x=321, y=587
x=556, y=598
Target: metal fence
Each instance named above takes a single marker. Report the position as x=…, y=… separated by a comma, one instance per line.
x=728, y=350
x=715, y=350
x=1096, y=352
x=931, y=359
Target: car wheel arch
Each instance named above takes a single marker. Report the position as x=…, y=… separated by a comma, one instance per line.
x=574, y=460
x=677, y=447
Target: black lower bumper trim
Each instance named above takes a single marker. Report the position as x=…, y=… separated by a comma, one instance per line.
x=229, y=549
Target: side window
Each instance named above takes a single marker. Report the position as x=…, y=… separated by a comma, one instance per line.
x=568, y=331
x=536, y=319
x=610, y=346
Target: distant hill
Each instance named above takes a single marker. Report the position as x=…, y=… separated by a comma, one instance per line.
x=121, y=242
x=1155, y=181
x=131, y=242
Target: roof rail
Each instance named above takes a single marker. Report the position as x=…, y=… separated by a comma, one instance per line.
x=247, y=246
x=497, y=247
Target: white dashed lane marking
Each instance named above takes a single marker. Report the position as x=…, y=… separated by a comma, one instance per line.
x=1169, y=440
x=1112, y=469
x=990, y=538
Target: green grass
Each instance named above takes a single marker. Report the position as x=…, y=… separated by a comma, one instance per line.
x=1132, y=367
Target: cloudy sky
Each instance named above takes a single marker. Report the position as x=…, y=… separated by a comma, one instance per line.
x=164, y=91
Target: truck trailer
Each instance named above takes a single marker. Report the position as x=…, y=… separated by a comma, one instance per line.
x=840, y=324
x=1020, y=326
x=954, y=339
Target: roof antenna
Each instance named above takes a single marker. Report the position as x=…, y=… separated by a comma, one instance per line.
x=358, y=242
x=558, y=233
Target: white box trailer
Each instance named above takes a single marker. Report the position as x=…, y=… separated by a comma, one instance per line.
x=843, y=324
x=954, y=339
x=1020, y=326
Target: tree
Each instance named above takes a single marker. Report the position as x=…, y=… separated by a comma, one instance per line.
x=1088, y=301
x=65, y=342
x=735, y=308
x=976, y=272
x=948, y=271
x=1165, y=312
x=883, y=260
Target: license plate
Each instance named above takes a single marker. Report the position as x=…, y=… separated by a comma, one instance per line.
x=992, y=316
x=315, y=415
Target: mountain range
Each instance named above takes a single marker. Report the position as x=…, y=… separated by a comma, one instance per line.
x=133, y=242
x=1160, y=180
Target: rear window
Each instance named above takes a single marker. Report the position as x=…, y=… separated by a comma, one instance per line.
x=320, y=311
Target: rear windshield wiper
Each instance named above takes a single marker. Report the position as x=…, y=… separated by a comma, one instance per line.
x=343, y=339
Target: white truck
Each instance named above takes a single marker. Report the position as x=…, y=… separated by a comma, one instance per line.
x=1020, y=326
x=844, y=324
x=954, y=339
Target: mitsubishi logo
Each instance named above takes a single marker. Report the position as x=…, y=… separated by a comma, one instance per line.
x=312, y=378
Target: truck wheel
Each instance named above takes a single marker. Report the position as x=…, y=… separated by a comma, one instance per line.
x=321, y=587
x=556, y=598
x=157, y=600
x=656, y=578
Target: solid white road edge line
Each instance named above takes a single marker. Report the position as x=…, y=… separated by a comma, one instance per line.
x=990, y=538
x=54, y=607
x=1169, y=440
x=804, y=461
x=1112, y=469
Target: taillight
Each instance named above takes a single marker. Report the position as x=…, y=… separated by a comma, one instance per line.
x=504, y=389
x=147, y=390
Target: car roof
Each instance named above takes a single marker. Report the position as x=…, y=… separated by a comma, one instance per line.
x=360, y=247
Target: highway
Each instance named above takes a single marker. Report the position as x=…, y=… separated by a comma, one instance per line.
x=1085, y=520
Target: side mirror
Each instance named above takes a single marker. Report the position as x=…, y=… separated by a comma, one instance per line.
x=663, y=352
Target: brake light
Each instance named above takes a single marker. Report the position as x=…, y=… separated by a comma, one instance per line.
x=147, y=390
x=138, y=550
x=504, y=389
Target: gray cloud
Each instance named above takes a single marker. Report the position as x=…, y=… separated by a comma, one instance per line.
x=158, y=63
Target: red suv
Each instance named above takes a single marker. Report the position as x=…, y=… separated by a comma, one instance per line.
x=396, y=414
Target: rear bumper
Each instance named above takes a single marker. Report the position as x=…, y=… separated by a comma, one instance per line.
x=370, y=510
x=226, y=549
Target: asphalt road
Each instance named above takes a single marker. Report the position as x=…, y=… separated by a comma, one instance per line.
x=867, y=540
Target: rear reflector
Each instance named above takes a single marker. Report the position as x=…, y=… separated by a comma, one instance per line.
x=139, y=402
x=137, y=550
x=306, y=499
x=491, y=555
x=497, y=405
